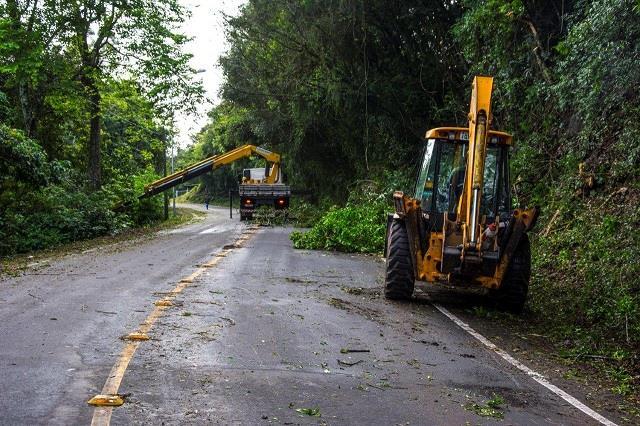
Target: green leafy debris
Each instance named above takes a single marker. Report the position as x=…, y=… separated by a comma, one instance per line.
x=314, y=412
x=493, y=407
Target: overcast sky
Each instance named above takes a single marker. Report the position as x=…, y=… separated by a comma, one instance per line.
x=206, y=27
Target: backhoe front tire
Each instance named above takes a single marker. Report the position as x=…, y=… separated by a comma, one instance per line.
x=399, y=278
x=512, y=295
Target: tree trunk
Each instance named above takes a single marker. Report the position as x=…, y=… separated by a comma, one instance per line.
x=164, y=173
x=94, y=164
x=26, y=106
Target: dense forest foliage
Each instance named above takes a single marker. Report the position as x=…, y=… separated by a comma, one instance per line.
x=88, y=90
x=345, y=90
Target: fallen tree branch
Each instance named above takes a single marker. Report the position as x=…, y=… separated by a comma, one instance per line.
x=547, y=229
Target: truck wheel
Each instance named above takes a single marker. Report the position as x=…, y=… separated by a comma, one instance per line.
x=512, y=295
x=399, y=279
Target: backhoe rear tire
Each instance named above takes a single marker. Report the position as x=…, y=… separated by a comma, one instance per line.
x=399, y=278
x=512, y=295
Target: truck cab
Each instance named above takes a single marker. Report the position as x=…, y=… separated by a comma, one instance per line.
x=253, y=175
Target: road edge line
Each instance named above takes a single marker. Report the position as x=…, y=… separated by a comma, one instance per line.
x=528, y=371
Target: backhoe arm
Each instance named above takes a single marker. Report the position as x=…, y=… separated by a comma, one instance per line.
x=212, y=163
x=479, y=124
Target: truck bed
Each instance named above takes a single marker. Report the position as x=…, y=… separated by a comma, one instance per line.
x=264, y=190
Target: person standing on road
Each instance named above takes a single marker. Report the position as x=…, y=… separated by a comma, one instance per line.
x=207, y=198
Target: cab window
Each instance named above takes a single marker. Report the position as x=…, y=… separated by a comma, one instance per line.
x=441, y=179
x=424, y=186
x=450, y=175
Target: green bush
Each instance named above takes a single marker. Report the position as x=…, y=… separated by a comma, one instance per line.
x=357, y=227
x=56, y=215
x=147, y=210
x=45, y=203
x=304, y=214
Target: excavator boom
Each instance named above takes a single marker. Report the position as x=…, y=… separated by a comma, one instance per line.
x=212, y=163
x=479, y=124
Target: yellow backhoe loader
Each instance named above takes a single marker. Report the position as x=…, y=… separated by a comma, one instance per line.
x=257, y=187
x=460, y=229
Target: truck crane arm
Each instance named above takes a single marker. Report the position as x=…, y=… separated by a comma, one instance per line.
x=213, y=163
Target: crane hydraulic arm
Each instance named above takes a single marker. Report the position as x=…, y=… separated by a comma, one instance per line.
x=212, y=163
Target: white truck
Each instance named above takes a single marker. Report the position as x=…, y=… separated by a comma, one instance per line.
x=255, y=192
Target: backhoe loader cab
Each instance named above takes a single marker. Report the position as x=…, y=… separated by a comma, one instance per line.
x=459, y=228
x=441, y=179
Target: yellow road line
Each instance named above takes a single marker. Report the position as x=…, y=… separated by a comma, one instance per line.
x=102, y=415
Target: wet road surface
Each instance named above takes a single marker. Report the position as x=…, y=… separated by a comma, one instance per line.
x=270, y=330
x=266, y=335
x=60, y=323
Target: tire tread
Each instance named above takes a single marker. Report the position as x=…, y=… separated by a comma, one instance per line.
x=512, y=295
x=399, y=277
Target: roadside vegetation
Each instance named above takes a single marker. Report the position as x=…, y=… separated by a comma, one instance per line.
x=359, y=226
x=353, y=228
x=78, y=139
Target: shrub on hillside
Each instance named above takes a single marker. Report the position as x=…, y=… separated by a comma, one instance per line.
x=585, y=279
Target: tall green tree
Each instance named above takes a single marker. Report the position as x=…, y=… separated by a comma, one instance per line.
x=343, y=88
x=88, y=90
x=28, y=29
x=139, y=36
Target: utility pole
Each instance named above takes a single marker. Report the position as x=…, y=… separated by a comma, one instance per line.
x=165, y=196
x=174, y=188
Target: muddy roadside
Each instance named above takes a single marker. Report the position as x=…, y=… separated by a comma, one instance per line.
x=590, y=378
x=524, y=337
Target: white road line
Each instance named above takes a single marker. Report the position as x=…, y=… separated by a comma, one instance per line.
x=529, y=372
x=208, y=231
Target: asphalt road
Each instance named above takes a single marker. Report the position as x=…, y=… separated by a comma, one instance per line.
x=60, y=323
x=261, y=337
